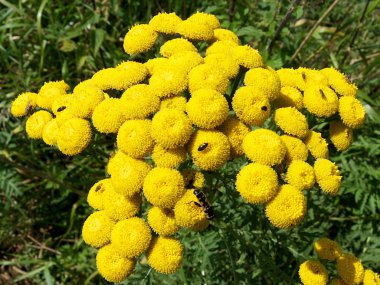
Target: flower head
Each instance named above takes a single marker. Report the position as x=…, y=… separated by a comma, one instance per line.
x=311, y=77
x=108, y=116
x=295, y=149
x=265, y=79
x=35, y=123
x=205, y=19
x=97, y=229
x=320, y=100
x=139, y=39
x=351, y=111
x=186, y=60
x=316, y=144
x=225, y=35
x=223, y=46
x=327, y=249
x=50, y=132
x=85, y=99
x=162, y=221
x=169, y=81
x=350, y=269
x=119, y=207
x=154, y=64
x=313, y=272
x=96, y=195
x=165, y=23
x=207, y=76
x=176, y=102
x=327, y=175
x=174, y=46
x=169, y=158
x=300, y=174
x=340, y=135
x=339, y=82
x=291, y=121
x=194, y=30
x=235, y=130
x=74, y=136
x=247, y=56
x=224, y=62
x=371, y=278
x=290, y=78
x=289, y=97
x=24, y=103
x=49, y=92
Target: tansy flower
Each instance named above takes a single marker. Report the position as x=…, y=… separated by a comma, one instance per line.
x=247, y=56
x=235, y=130
x=162, y=221
x=169, y=158
x=290, y=78
x=291, y=121
x=224, y=47
x=327, y=175
x=108, y=116
x=24, y=103
x=112, y=265
x=163, y=187
x=339, y=82
x=320, y=100
x=131, y=237
x=96, y=195
x=264, y=146
x=50, y=132
x=224, y=62
x=97, y=229
x=155, y=64
x=311, y=76
x=289, y=97
x=169, y=81
x=165, y=255
x=316, y=144
x=265, y=79
x=74, y=136
x=194, y=30
x=287, y=209
x=209, y=149
x=350, y=269
x=340, y=135
x=65, y=115
x=119, y=207
x=207, y=108
x=225, y=35
x=193, y=178
x=176, y=45
x=351, y=111
x=61, y=102
x=295, y=149
x=49, y=92
x=257, y=183
x=85, y=99
x=139, y=39
x=186, y=60
x=251, y=105
x=312, y=272
x=35, y=123
x=165, y=23
x=371, y=278
x=205, y=19
x=327, y=249
x=300, y=174
x=176, y=102
x=207, y=76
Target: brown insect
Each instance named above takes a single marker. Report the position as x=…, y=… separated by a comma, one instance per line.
x=202, y=146
x=60, y=109
x=322, y=93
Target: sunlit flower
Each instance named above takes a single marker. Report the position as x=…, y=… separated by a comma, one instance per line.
x=327, y=175
x=223, y=62
x=186, y=60
x=350, y=269
x=312, y=272
x=291, y=121
x=108, y=116
x=247, y=56
x=85, y=99
x=225, y=35
x=320, y=100
x=311, y=77
x=176, y=102
x=165, y=23
x=327, y=249
x=371, y=278
x=265, y=79
x=96, y=195
x=169, y=81
x=223, y=46
x=154, y=64
x=24, y=103
x=36, y=123
x=340, y=135
x=162, y=221
x=205, y=19
x=195, y=30
x=61, y=102
x=295, y=149
x=351, y=112
x=174, y=46
x=97, y=229
x=119, y=207
x=289, y=97
x=49, y=92
x=139, y=39
x=316, y=144
x=207, y=76
x=169, y=158
x=300, y=174
x=235, y=130
x=50, y=132
x=291, y=78
x=339, y=82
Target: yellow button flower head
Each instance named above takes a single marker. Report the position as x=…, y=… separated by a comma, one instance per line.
x=207, y=76
x=165, y=23
x=327, y=175
x=169, y=81
x=131, y=237
x=112, y=265
x=235, y=130
x=65, y=115
x=265, y=79
x=49, y=92
x=163, y=187
x=264, y=146
x=61, y=103
x=207, y=108
x=24, y=103
x=224, y=62
x=108, y=116
x=162, y=221
x=205, y=19
x=316, y=144
x=291, y=121
x=169, y=158
x=311, y=76
x=340, y=135
x=155, y=64
x=176, y=45
x=165, y=254
x=171, y=128
x=327, y=249
x=251, y=105
x=350, y=269
x=139, y=39
x=312, y=272
x=291, y=78
x=247, y=56
x=50, y=132
x=188, y=214
x=194, y=30
x=186, y=60
x=97, y=229
x=209, y=149
x=97, y=193
x=85, y=99
x=119, y=207
x=351, y=112
x=225, y=35
x=289, y=97
x=176, y=102
x=288, y=208
x=36, y=123
x=339, y=82
x=74, y=136
x=337, y=281
x=371, y=278
x=257, y=183
x=320, y=100
x=295, y=149
x=193, y=178
x=300, y=174
x=223, y=46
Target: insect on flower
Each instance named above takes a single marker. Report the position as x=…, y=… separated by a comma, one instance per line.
x=60, y=109
x=27, y=108
x=204, y=204
x=202, y=146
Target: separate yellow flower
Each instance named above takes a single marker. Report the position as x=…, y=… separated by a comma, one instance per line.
x=186, y=60
x=169, y=81
x=85, y=99
x=139, y=39
x=291, y=121
x=74, y=136
x=193, y=178
x=205, y=19
x=235, y=131
x=35, y=123
x=320, y=100
x=340, y=135
x=257, y=183
x=351, y=112
x=97, y=229
x=265, y=79
x=264, y=146
x=65, y=115
x=300, y=174
x=350, y=269
x=119, y=207
x=155, y=64
x=224, y=62
x=196, y=31
x=224, y=46
x=225, y=35
x=327, y=249
x=165, y=255
x=162, y=221
x=247, y=56
x=61, y=103
x=97, y=193
x=327, y=175
x=176, y=45
x=176, y=102
x=112, y=265
x=24, y=103
x=165, y=23
x=316, y=144
x=295, y=149
x=289, y=97
x=50, y=132
x=163, y=187
x=171, y=128
x=287, y=209
x=340, y=82
x=131, y=237
x=312, y=272
x=291, y=78
x=209, y=149
x=371, y=278
x=169, y=158
x=207, y=76
x=251, y=105
x=207, y=108
x=49, y=92
x=311, y=76
x=108, y=116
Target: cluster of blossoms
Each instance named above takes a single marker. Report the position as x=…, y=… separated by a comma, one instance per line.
x=179, y=106
x=349, y=268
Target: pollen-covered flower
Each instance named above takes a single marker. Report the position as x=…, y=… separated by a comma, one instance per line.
x=35, y=123
x=96, y=195
x=340, y=82
x=85, y=99
x=186, y=60
x=257, y=183
x=247, y=56
x=74, y=136
x=61, y=102
x=205, y=19
x=209, y=149
x=311, y=76
x=327, y=175
x=174, y=46
x=223, y=46
x=154, y=64
x=139, y=39
x=49, y=92
x=351, y=111
x=340, y=135
x=235, y=130
x=289, y=77
x=194, y=30
x=65, y=115
x=316, y=144
x=193, y=178
x=295, y=149
x=350, y=269
x=24, y=103
x=207, y=76
x=108, y=116
x=371, y=278
x=288, y=208
x=312, y=272
x=119, y=207
x=169, y=81
x=225, y=35
x=97, y=229
x=224, y=62
x=320, y=100
x=265, y=79
x=169, y=158
x=327, y=249
x=162, y=221
x=176, y=102
x=291, y=121
x=165, y=23
x=300, y=174
x=50, y=132
x=264, y=146
x=289, y=97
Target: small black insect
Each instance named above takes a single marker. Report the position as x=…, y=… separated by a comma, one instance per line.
x=204, y=204
x=322, y=93
x=98, y=188
x=264, y=108
x=348, y=78
x=27, y=108
x=202, y=146
x=60, y=109
x=303, y=75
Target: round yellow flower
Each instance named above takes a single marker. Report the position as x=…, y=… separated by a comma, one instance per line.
x=169, y=81
x=169, y=158
x=186, y=60
x=85, y=99
x=289, y=97
x=350, y=269
x=351, y=112
x=264, y=146
x=193, y=178
x=171, y=128
x=50, y=132
x=36, y=123
x=225, y=35
x=265, y=79
x=119, y=207
x=291, y=121
x=176, y=102
x=165, y=23
x=340, y=135
x=163, y=187
x=97, y=229
x=74, y=136
x=316, y=144
x=224, y=46
x=295, y=149
x=247, y=56
x=235, y=130
x=287, y=209
x=155, y=64
x=339, y=82
x=61, y=103
x=257, y=183
x=327, y=175
x=320, y=100
x=176, y=45
x=224, y=62
x=311, y=77
x=194, y=30
x=300, y=174
x=251, y=105
x=165, y=255
x=162, y=221
x=139, y=39
x=207, y=76
x=327, y=249
x=371, y=278
x=290, y=78
x=24, y=103
x=112, y=265
x=312, y=272
x=205, y=19
x=209, y=149
x=108, y=116
x=97, y=193
x=49, y=92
